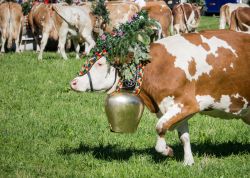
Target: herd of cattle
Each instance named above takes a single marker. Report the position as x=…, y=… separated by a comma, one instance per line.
x=62, y=22
x=187, y=73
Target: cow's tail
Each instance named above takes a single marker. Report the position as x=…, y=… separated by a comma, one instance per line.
x=10, y=28
x=223, y=19
x=233, y=21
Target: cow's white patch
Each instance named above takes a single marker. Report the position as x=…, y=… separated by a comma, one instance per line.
x=185, y=52
x=169, y=109
x=160, y=144
x=223, y=104
x=141, y=3
x=215, y=43
x=232, y=65
x=206, y=102
x=224, y=69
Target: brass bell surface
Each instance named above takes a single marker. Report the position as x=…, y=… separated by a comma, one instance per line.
x=124, y=111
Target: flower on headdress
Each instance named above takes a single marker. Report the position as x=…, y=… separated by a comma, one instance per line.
x=113, y=33
x=135, y=16
x=120, y=33
x=104, y=51
x=130, y=20
x=81, y=73
x=103, y=37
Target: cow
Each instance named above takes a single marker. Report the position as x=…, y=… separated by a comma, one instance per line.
x=240, y=19
x=187, y=74
x=159, y=11
x=45, y=19
x=119, y=12
x=78, y=23
x=186, y=17
x=122, y=11
x=11, y=20
x=226, y=11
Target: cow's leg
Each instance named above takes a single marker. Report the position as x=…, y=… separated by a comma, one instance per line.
x=43, y=44
x=183, y=133
x=174, y=113
x=19, y=36
x=88, y=38
x=176, y=29
x=61, y=46
x=36, y=37
x=77, y=47
x=3, y=43
x=62, y=41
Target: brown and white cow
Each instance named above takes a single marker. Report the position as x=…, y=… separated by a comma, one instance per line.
x=226, y=11
x=240, y=19
x=11, y=20
x=122, y=11
x=45, y=19
x=188, y=74
x=159, y=11
x=186, y=17
x=119, y=12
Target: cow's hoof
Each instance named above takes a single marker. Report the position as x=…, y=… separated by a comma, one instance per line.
x=168, y=152
x=188, y=162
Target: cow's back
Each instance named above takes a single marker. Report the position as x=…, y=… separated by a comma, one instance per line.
x=212, y=63
x=120, y=12
x=38, y=15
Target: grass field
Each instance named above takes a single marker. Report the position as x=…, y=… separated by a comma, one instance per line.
x=47, y=130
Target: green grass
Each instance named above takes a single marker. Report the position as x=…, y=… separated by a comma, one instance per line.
x=47, y=130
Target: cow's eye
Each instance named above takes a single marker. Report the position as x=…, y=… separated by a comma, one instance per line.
x=99, y=64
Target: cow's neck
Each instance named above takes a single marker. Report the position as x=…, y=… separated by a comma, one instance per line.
x=149, y=101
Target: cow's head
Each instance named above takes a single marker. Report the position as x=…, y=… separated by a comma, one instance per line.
x=100, y=77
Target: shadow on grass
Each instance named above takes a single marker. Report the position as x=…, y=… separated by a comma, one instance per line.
x=113, y=152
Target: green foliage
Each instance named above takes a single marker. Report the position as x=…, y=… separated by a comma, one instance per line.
x=99, y=9
x=199, y=2
x=26, y=7
x=130, y=40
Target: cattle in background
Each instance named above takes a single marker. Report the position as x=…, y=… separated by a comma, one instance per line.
x=44, y=20
x=119, y=12
x=186, y=17
x=122, y=11
x=159, y=11
x=240, y=19
x=226, y=11
x=77, y=23
x=11, y=20
x=211, y=72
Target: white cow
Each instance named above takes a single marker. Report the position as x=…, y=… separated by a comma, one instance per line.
x=78, y=24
